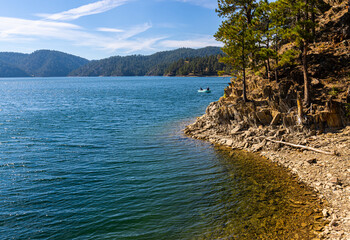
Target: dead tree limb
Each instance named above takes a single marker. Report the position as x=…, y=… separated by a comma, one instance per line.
x=300, y=109
x=302, y=146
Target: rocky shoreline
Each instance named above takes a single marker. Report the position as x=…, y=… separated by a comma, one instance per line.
x=328, y=174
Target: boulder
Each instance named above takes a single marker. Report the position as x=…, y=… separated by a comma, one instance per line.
x=264, y=116
x=333, y=120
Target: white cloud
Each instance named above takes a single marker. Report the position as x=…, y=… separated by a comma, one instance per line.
x=111, y=30
x=23, y=30
x=191, y=43
x=134, y=45
x=15, y=27
x=52, y=28
x=136, y=30
x=89, y=9
x=211, y=4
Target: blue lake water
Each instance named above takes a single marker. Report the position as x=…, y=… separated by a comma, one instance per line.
x=87, y=158
x=105, y=158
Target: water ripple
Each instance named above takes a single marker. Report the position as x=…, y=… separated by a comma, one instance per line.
x=104, y=158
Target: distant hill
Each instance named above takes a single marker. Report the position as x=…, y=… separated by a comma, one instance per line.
x=7, y=70
x=48, y=63
x=138, y=65
x=41, y=63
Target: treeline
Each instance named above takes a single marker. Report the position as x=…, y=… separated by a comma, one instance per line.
x=198, y=66
x=262, y=34
x=41, y=63
x=137, y=65
x=47, y=63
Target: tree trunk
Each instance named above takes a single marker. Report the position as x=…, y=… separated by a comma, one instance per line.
x=307, y=99
x=243, y=68
x=244, y=87
x=276, y=59
x=276, y=74
x=268, y=69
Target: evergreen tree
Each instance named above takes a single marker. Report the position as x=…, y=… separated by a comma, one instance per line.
x=266, y=52
x=301, y=32
x=239, y=35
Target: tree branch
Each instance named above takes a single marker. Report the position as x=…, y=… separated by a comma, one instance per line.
x=303, y=147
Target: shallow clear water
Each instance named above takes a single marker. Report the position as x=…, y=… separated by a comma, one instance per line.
x=105, y=158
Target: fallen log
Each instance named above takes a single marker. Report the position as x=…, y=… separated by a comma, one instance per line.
x=303, y=147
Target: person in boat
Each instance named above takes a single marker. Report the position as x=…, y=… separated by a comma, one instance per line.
x=208, y=88
x=200, y=88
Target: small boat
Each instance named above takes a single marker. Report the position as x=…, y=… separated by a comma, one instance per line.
x=204, y=91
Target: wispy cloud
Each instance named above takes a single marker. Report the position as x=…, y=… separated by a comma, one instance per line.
x=23, y=30
x=16, y=27
x=131, y=46
x=211, y=4
x=196, y=42
x=52, y=27
x=111, y=30
x=136, y=30
x=89, y=9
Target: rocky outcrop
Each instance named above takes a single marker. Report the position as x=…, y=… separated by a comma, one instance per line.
x=275, y=123
x=237, y=126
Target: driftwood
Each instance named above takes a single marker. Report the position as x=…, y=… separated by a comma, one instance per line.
x=300, y=109
x=302, y=146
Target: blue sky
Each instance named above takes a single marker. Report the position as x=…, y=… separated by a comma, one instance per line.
x=96, y=29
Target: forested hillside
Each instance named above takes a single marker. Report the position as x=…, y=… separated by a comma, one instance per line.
x=42, y=63
x=197, y=66
x=7, y=70
x=47, y=63
x=137, y=65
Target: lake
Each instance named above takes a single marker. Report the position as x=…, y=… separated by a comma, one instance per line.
x=105, y=158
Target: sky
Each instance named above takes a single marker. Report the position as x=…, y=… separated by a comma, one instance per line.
x=96, y=29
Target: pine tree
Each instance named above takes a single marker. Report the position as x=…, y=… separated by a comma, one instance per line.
x=301, y=32
x=238, y=33
x=266, y=52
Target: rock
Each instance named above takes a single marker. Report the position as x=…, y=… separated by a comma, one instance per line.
x=236, y=129
x=259, y=146
x=334, y=120
x=318, y=228
x=249, y=132
x=264, y=117
x=325, y=213
x=345, y=43
x=288, y=120
x=267, y=91
x=333, y=221
x=334, y=181
x=314, y=81
x=283, y=88
x=312, y=160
